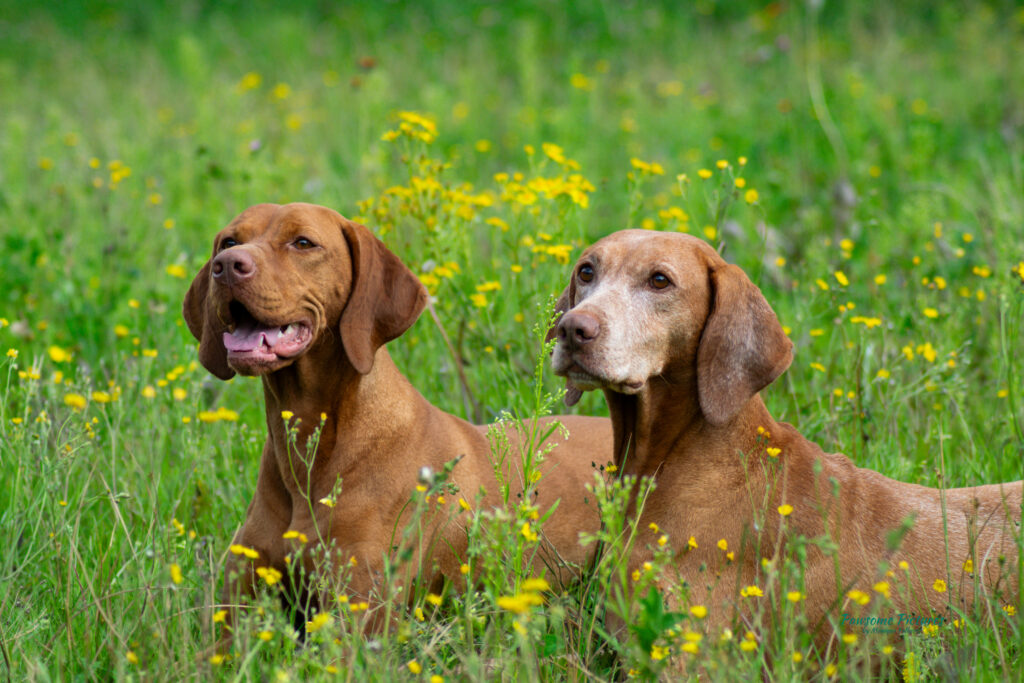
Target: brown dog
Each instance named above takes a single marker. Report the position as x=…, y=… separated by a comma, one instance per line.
x=681, y=343
x=306, y=299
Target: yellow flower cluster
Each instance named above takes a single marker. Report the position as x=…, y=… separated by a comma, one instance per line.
x=221, y=414
x=529, y=596
x=516, y=189
x=926, y=351
x=269, y=574
x=650, y=168
x=432, y=279
x=118, y=172
x=318, y=622
x=413, y=126
x=866, y=321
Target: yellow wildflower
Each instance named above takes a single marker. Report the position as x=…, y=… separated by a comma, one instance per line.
x=292, y=533
x=269, y=574
x=519, y=603
x=318, y=622
x=237, y=549
x=76, y=401
x=859, y=597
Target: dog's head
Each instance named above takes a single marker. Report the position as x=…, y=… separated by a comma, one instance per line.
x=285, y=279
x=644, y=304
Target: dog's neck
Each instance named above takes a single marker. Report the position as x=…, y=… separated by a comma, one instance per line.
x=664, y=420
x=322, y=391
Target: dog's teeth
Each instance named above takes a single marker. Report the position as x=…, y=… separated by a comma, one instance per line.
x=286, y=329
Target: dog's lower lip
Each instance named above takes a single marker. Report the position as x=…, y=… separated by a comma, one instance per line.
x=578, y=368
x=581, y=375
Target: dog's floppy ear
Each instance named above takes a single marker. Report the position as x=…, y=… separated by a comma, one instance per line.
x=742, y=349
x=385, y=299
x=565, y=301
x=212, y=353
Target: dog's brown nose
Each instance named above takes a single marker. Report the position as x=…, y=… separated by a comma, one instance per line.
x=577, y=329
x=233, y=265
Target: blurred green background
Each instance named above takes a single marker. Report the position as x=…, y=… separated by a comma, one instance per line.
x=883, y=142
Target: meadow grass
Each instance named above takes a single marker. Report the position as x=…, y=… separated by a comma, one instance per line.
x=863, y=164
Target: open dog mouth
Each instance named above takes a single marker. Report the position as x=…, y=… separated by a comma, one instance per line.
x=251, y=341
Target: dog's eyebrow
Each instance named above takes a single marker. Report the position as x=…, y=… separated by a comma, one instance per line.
x=290, y=228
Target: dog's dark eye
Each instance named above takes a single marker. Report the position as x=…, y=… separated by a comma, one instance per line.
x=228, y=243
x=303, y=243
x=660, y=281
x=586, y=273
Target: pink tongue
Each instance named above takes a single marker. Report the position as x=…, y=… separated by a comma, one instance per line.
x=251, y=338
